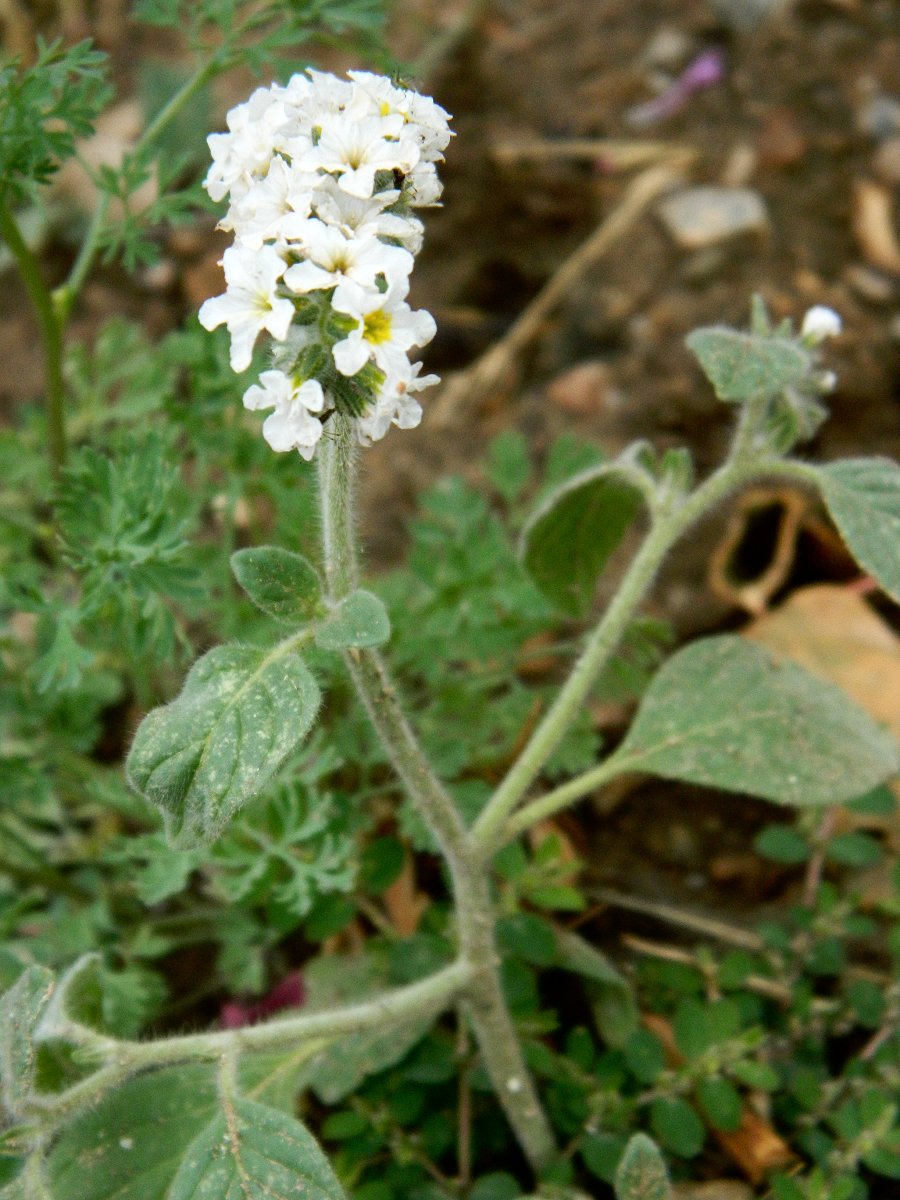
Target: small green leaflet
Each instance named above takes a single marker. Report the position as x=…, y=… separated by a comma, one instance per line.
x=570, y=538
x=610, y=994
x=742, y=366
x=21, y=1008
x=253, y=1152
x=723, y=713
x=240, y=714
x=284, y=585
x=863, y=497
x=641, y=1173
x=360, y=619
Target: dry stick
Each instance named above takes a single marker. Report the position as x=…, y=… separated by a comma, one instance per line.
x=616, y=153
x=467, y=389
x=719, y=930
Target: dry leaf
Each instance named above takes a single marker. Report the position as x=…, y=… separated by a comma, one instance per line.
x=873, y=225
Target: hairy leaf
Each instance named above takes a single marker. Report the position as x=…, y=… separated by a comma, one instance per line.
x=281, y=583
x=742, y=366
x=21, y=1009
x=240, y=714
x=570, y=538
x=254, y=1152
x=641, y=1174
x=722, y=712
x=130, y=1145
x=863, y=497
x=360, y=619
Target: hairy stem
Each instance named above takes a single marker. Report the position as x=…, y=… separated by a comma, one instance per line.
x=494, y=827
x=490, y=1018
x=51, y=327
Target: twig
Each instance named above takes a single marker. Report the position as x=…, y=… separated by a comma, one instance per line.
x=468, y=388
x=615, y=153
x=722, y=932
x=754, y=983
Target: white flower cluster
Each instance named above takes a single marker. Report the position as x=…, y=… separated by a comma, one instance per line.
x=321, y=176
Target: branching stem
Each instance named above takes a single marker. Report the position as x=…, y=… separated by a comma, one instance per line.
x=474, y=908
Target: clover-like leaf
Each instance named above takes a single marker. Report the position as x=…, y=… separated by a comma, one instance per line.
x=570, y=538
x=724, y=713
x=743, y=366
x=283, y=584
x=254, y=1152
x=863, y=497
x=241, y=713
x=360, y=619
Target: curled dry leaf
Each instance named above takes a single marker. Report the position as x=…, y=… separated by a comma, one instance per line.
x=873, y=225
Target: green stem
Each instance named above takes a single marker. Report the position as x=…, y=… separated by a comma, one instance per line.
x=670, y=523
x=430, y=995
x=64, y=297
x=51, y=327
x=498, y=1042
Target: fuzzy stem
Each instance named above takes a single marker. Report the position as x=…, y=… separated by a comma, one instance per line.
x=51, y=327
x=493, y=827
x=490, y=1018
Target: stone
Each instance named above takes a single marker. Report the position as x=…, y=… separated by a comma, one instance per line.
x=583, y=389
x=887, y=161
x=703, y=216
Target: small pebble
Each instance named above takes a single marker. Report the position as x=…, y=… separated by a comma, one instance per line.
x=584, y=389
x=705, y=216
x=871, y=285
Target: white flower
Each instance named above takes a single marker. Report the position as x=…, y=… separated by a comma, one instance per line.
x=292, y=425
x=353, y=214
x=424, y=187
x=395, y=404
x=250, y=303
x=332, y=258
x=248, y=146
x=386, y=328
x=259, y=214
x=820, y=323
x=357, y=149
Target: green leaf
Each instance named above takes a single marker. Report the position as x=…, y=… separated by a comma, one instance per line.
x=255, y=1153
x=241, y=713
x=21, y=1008
x=281, y=583
x=612, y=999
x=863, y=497
x=360, y=619
x=723, y=713
x=782, y=844
x=721, y=1102
x=529, y=937
x=602, y=1153
x=129, y=1146
x=642, y=1174
x=677, y=1126
x=645, y=1055
x=854, y=850
x=569, y=540
x=742, y=366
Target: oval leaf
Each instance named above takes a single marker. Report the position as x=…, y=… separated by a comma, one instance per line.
x=282, y=584
x=241, y=713
x=130, y=1145
x=725, y=714
x=254, y=1152
x=742, y=366
x=642, y=1174
x=570, y=538
x=360, y=619
x=863, y=497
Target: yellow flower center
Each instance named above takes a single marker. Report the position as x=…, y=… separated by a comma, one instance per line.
x=377, y=327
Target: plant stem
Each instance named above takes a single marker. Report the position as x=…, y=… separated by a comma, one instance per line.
x=64, y=297
x=51, y=327
x=669, y=524
x=490, y=1018
x=429, y=995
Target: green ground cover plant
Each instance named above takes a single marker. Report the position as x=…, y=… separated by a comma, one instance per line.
x=221, y=744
